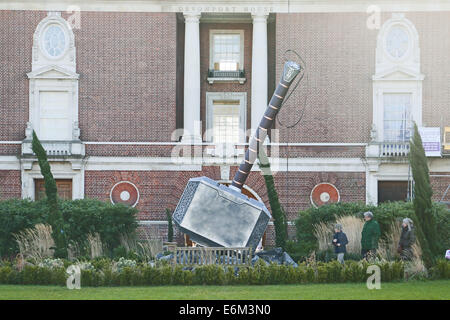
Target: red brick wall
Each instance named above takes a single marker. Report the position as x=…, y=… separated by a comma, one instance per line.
x=127, y=63
x=439, y=182
x=339, y=51
x=10, y=149
x=162, y=189
x=10, y=184
x=127, y=67
x=16, y=39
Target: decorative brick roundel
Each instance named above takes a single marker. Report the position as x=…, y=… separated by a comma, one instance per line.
x=124, y=192
x=324, y=193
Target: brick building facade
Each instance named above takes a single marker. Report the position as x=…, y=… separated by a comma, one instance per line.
x=110, y=89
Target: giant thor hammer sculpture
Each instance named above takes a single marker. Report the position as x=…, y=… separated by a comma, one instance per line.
x=215, y=215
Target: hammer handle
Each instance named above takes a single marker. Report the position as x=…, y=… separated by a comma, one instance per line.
x=258, y=138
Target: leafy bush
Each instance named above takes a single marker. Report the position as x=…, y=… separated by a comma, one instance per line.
x=441, y=270
x=384, y=213
x=260, y=274
x=81, y=218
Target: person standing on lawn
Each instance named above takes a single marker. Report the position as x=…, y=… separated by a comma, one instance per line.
x=407, y=239
x=370, y=235
x=340, y=242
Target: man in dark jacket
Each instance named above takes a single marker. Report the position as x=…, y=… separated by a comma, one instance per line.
x=407, y=239
x=370, y=235
x=339, y=241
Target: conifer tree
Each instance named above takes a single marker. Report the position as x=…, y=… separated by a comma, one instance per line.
x=425, y=222
x=51, y=192
x=278, y=213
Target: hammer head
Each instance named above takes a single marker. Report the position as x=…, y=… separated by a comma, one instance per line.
x=217, y=216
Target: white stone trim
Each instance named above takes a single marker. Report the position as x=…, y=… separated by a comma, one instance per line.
x=9, y=163
x=40, y=58
x=259, y=89
x=59, y=171
x=326, y=144
x=396, y=75
x=195, y=164
x=282, y=6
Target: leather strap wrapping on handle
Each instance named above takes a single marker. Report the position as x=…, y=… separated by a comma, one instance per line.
x=290, y=71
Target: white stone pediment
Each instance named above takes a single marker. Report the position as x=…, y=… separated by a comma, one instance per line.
x=398, y=73
x=52, y=72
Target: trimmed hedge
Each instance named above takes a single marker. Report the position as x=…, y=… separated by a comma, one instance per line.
x=260, y=274
x=81, y=217
x=384, y=213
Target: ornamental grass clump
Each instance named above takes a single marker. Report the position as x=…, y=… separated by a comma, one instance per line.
x=352, y=226
x=324, y=234
x=36, y=244
x=95, y=245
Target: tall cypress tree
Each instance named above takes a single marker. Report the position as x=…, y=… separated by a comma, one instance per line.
x=425, y=222
x=55, y=218
x=278, y=213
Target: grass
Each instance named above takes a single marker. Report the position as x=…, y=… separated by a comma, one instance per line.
x=438, y=289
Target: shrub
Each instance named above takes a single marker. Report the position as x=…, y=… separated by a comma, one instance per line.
x=81, y=218
x=441, y=270
x=209, y=275
x=385, y=214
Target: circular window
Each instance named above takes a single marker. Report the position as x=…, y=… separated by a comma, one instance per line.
x=397, y=42
x=124, y=192
x=324, y=193
x=54, y=41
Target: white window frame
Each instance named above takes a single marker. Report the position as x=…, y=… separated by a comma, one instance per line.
x=237, y=96
x=213, y=32
x=396, y=75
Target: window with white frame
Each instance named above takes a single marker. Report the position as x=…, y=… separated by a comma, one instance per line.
x=226, y=121
x=397, y=82
x=226, y=50
x=226, y=117
x=397, y=117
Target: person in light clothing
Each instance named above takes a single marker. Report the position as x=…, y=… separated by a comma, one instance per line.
x=340, y=242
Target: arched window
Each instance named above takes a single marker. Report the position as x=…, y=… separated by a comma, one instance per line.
x=54, y=84
x=397, y=83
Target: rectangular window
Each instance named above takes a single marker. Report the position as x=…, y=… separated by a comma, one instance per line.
x=226, y=50
x=397, y=117
x=226, y=121
x=54, y=121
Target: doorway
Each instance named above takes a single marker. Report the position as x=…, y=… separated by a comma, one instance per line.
x=64, y=187
x=392, y=191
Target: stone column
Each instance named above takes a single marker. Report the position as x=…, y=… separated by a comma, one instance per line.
x=259, y=69
x=192, y=133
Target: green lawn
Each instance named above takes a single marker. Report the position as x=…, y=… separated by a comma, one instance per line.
x=402, y=290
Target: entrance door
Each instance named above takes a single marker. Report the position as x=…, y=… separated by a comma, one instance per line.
x=64, y=187
x=392, y=191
